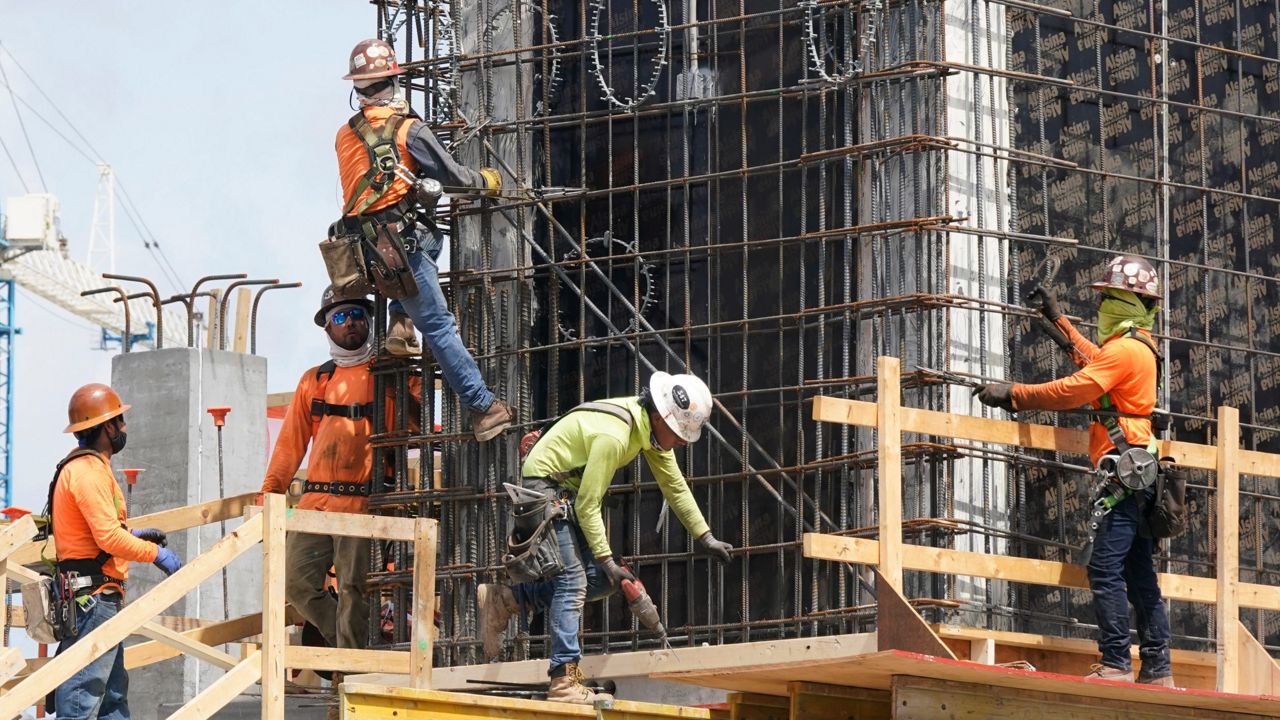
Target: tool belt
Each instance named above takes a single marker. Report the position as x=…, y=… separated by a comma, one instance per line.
x=373, y=250
x=1120, y=475
x=533, y=550
x=355, y=489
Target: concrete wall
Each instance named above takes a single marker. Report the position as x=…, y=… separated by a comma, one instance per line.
x=172, y=437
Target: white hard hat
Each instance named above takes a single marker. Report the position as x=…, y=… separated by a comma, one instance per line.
x=683, y=401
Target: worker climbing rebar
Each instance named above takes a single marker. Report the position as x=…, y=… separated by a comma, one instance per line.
x=393, y=170
x=561, y=547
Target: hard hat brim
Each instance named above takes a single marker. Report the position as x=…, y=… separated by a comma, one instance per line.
x=374, y=75
x=1100, y=286
x=319, y=317
x=95, y=421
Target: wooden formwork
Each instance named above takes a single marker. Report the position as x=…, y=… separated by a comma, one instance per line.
x=381, y=702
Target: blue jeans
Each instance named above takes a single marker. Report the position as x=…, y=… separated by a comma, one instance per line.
x=563, y=595
x=101, y=688
x=1122, y=571
x=430, y=314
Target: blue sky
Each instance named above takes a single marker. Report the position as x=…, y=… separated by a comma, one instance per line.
x=219, y=119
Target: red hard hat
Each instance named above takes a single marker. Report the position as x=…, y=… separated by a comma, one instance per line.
x=372, y=58
x=1132, y=273
x=93, y=405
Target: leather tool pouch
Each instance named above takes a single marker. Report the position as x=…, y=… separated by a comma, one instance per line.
x=536, y=558
x=388, y=263
x=344, y=260
x=38, y=598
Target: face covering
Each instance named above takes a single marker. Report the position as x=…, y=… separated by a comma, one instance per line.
x=343, y=357
x=1121, y=310
x=391, y=96
x=117, y=442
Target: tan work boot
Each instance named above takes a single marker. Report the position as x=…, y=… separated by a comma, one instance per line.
x=1106, y=672
x=402, y=337
x=1162, y=681
x=497, y=605
x=568, y=688
x=489, y=424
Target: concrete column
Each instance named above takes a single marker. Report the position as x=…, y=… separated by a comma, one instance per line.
x=172, y=437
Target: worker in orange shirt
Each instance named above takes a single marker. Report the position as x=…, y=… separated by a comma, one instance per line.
x=382, y=195
x=332, y=413
x=94, y=546
x=1119, y=377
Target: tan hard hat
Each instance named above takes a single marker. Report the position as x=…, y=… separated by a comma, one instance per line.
x=93, y=405
x=372, y=58
x=333, y=297
x=1132, y=273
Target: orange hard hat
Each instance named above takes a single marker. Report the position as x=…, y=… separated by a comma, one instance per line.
x=93, y=405
x=372, y=59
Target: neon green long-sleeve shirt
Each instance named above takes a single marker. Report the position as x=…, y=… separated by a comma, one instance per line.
x=599, y=445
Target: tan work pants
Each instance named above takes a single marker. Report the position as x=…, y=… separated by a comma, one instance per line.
x=344, y=623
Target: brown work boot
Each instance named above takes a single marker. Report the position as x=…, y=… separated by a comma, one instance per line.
x=402, y=337
x=568, y=688
x=489, y=424
x=1106, y=672
x=497, y=605
x=1162, y=681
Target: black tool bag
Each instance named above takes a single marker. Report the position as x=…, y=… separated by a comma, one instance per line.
x=1165, y=515
x=535, y=557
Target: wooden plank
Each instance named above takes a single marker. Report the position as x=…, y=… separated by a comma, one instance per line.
x=360, y=701
x=130, y=618
x=814, y=701
x=211, y=319
x=1259, y=672
x=1052, y=643
x=273, y=602
x=217, y=633
x=983, y=651
x=876, y=670
x=186, y=645
x=345, y=660
x=900, y=627
x=919, y=698
x=15, y=535
x=1228, y=569
x=747, y=706
x=11, y=663
x=889, y=465
x=244, y=298
x=345, y=524
x=426, y=533
x=217, y=695
x=1022, y=570
x=173, y=520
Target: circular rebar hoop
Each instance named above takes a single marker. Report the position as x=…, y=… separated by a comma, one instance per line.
x=819, y=49
x=643, y=275
x=552, y=40
x=648, y=89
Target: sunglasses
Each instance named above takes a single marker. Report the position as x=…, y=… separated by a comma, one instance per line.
x=342, y=316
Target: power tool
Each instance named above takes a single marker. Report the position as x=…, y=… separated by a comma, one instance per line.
x=643, y=607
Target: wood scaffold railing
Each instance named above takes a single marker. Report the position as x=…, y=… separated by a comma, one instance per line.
x=269, y=663
x=1244, y=666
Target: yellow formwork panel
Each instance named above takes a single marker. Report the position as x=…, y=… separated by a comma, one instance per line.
x=382, y=702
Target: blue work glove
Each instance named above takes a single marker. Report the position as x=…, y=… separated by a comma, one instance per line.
x=168, y=561
x=151, y=535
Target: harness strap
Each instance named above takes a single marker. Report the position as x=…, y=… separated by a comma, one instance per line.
x=354, y=488
x=320, y=408
x=616, y=411
x=384, y=158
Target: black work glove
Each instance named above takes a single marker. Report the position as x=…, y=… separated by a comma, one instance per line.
x=996, y=394
x=151, y=535
x=709, y=545
x=615, y=572
x=1045, y=302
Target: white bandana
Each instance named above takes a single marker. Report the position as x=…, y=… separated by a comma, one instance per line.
x=343, y=357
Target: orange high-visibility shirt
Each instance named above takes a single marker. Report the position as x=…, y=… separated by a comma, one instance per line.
x=1124, y=367
x=89, y=515
x=353, y=159
x=340, y=450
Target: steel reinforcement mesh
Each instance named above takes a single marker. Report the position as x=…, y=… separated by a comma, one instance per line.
x=757, y=192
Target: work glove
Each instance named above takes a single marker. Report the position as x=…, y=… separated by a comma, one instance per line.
x=1045, y=302
x=168, y=561
x=151, y=535
x=492, y=181
x=996, y=394
x=717, y=549
x=615, y=572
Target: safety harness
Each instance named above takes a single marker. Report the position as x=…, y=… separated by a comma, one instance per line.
x=384, y=160
x=1129, y=469
x=82, y=575
x=599, y=407
x=320, y=409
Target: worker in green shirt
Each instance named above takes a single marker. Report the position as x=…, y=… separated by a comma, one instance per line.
x=576, y=459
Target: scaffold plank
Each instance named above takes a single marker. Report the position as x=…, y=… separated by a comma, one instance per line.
x=379, y=702
x=814, y=701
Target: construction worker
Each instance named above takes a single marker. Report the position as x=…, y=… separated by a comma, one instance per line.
x=332, y=413
x=575, y=461
x=95, y=547
x=383, y=196
x=1118, y=376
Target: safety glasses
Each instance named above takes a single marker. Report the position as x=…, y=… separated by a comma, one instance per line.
x=342, y=316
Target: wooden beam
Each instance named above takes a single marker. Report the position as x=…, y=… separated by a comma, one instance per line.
x=749, y=706
x=223, y=690
x=426, y=533
x=186, y=645
x=1228, y=570
x=346, y=660
x=345, y=524
x=360, y=700
x=218, y=633
x=1022, y=570
x=130, y=618
x=15, y=535
x=889, y=465
x=244, y=298
x=900, y=627
x=1259, y=672
x=815, y=701
x=211, y=319
x=173, y=520
x=11, y=663
x=273, y=602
